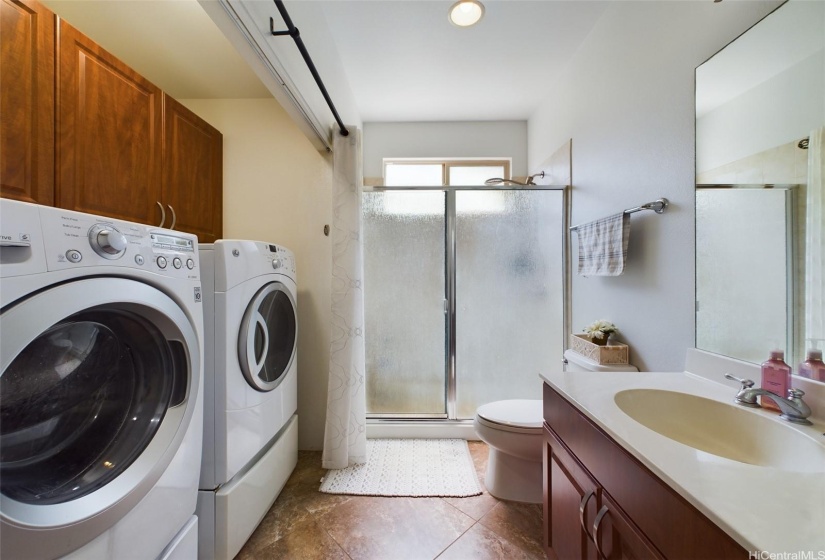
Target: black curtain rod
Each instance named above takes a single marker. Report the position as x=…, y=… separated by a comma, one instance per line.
x=293, y=32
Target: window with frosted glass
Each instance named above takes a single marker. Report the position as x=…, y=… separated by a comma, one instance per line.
x=474, y=175
x=435, y=173
x=413, y=175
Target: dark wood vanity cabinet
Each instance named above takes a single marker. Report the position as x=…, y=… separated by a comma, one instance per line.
x=584, y=521
x=601, y=503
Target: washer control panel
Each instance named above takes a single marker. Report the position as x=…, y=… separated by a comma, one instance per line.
x=73, y=239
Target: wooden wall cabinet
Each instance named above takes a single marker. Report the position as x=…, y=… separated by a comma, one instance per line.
x=109, y=121
x=601, y=503
x=192, y=172
x=27, y=67
x=83, y=131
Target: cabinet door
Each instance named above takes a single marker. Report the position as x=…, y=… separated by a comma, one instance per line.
x=192, y=172
x=108, y=133
x=616, y=537
x=27, y=101
x=571, y=500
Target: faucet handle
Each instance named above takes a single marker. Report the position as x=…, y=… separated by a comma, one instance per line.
x=794, y=393
x=746, y=383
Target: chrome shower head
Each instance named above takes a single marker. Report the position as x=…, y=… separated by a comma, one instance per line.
x=500, y=181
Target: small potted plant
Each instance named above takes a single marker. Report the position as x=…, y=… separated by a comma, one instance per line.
x=600, y=331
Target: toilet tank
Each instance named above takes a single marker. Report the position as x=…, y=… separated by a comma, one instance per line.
x=576, y=362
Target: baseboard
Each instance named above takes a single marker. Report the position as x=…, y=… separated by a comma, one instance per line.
x=421, y=429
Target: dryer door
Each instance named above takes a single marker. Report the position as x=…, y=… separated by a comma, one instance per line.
x=268, y=337
x=98, y=385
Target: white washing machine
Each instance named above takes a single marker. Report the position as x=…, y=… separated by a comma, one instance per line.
x=101, y=406
x=250, y=442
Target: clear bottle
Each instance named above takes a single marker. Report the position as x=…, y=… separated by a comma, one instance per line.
x=776, y=378
x=813, y=367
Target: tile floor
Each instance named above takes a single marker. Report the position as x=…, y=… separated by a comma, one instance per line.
x=304, y=524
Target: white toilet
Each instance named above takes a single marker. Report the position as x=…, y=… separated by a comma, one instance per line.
x=513, y=430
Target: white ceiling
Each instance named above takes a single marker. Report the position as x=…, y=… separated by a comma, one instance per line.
x=761, y=53
x=406, y=62
x=402, y=59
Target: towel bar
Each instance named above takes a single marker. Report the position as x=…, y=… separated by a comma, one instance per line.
x=658, y=206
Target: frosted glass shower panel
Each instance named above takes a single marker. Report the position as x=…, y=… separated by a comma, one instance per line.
x=508, y=294
x=404, y=301
x=742, y=285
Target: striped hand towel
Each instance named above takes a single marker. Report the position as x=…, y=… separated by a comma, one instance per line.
x=603, y=246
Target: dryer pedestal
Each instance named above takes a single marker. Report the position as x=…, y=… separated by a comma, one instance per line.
x=230, y=514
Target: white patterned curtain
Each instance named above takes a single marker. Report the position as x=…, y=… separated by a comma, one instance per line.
x=815, y=242
x=345, y=438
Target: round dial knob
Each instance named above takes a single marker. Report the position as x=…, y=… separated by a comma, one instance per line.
x=107, y=241
x=111, y=241
x=276, y=263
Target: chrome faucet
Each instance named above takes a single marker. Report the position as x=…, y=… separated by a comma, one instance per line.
x=793, y=408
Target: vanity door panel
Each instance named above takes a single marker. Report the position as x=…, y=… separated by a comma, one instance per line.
x=674, y=527
x=572, y=509
x=616, y=537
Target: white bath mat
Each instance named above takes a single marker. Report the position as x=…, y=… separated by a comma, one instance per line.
x=408, y=467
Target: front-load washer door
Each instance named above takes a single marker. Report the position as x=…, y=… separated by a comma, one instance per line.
x=97, y=389
x=268, y=337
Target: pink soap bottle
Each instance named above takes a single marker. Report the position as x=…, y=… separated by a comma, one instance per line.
x=776, y=378
x=813, y=367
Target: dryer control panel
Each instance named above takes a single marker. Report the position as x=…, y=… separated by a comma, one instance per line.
x=73, y=239
x=238, y=260
x=281, y=259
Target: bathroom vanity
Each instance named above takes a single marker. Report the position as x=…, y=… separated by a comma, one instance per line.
x=628, y=473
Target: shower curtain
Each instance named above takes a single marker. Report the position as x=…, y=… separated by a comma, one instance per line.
x=815, y=242
x=345, y=439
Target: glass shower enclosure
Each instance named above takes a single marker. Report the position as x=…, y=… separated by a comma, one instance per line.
x=463, y=297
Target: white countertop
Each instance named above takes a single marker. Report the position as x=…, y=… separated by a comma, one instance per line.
x=762, y=508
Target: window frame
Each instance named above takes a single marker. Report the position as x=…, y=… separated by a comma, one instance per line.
x=446, y=164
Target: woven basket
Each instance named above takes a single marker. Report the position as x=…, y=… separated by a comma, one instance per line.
x=611, y=354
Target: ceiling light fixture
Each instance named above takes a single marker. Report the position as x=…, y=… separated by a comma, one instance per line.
x=465, y=13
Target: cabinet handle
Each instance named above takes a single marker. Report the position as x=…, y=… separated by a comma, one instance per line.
x=174, y=217
x=582, y=508
x=596, y=525
x=162, y=214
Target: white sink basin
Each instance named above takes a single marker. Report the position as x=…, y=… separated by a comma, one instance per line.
x=725, y=430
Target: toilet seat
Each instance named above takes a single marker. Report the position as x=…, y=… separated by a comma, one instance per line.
x=523, y=416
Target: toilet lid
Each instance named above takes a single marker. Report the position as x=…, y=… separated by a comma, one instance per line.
x=519, y=413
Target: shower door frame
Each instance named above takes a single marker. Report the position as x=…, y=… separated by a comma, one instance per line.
x=450, y=286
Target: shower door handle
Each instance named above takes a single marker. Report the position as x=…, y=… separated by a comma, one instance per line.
x=446, y=307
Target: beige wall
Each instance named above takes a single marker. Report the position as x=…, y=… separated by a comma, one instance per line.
x=278, y=188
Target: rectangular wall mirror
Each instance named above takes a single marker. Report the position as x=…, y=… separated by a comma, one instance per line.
x=760, y=122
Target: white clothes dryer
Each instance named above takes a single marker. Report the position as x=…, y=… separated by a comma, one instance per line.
x=251, y=388
x=101, y=406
